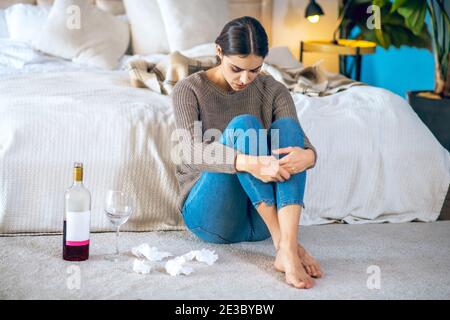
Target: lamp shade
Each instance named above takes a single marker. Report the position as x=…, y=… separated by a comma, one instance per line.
x=313, y=9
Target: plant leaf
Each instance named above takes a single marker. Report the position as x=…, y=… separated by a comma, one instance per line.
x=383, y=39
x=397, y=4
x=414, y=13
x=395, y=31
x=380, y=3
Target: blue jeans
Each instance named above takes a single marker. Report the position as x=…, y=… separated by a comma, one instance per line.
x=221, y=207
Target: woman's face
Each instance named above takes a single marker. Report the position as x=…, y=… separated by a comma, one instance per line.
x=240, y=71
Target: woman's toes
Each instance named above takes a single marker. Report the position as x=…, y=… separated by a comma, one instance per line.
x=300, y=285
x=319, y=272
x=310, y=264
x=311, y=270
x=308, y=270
x=297, y=283
x=300, y=281
x=315, y=273
x=310, y=284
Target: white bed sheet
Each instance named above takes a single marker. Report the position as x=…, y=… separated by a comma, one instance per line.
x=377, y=161
x=121, y=134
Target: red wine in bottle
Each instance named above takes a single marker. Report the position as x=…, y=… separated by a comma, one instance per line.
x=77, y=219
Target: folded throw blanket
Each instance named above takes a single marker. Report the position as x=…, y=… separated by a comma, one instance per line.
x=311, y=80
x=162, y=77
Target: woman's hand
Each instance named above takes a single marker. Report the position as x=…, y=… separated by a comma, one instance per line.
x=265, y=168
x=296, y=160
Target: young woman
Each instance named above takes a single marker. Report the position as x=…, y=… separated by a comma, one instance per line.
x=231, y=190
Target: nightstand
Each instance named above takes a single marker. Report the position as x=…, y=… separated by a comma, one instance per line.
x=344, y=47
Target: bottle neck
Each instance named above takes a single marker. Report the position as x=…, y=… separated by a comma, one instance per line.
x=78, y=176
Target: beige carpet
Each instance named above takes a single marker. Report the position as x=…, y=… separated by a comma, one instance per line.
x=413, y=259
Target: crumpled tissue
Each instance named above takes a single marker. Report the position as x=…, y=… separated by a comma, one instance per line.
x=204, y=255
x=151, y=253
x=141, y=267
x=175, y=266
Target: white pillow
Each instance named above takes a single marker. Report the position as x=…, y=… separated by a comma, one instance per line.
x=282, y=57
x=16, y=54
x=148, y=35
x=100, y=41
x=4, y=33
x=114, y=7
x=193, y=22
x=202, y=50
x=25, y=21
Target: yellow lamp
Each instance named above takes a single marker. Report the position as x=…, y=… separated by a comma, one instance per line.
x=313, y=19
x=313, y=12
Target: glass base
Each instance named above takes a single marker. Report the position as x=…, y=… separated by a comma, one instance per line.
x=116, y=258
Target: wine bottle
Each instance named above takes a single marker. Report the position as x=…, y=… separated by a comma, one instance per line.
x=77, y=218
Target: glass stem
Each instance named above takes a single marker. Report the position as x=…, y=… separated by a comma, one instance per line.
x=117, y=240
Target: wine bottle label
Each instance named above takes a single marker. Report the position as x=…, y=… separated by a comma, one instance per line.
x=77, y=228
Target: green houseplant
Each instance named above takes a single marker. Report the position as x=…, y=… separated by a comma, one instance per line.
x=394, y=31
x=354, y=16
x=403, y=22
x=414, y=13
x=432, y=107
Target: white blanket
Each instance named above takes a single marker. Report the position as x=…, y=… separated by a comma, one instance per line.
x=377, y=161
x=19, y=58
x=121, y=134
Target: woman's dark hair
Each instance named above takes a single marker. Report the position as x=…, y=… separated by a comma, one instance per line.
x=243, y=36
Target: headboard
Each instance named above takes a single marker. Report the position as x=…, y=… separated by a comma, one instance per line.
x=260, y=9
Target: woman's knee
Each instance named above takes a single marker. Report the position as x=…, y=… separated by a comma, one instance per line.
x=286, y=122
x=244, y=133
x=289, y=133
x=245, y=121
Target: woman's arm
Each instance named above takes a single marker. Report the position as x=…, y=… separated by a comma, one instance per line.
x=284, y=106
x=186, y=112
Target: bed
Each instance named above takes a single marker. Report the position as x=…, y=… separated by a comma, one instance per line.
x=377, y=162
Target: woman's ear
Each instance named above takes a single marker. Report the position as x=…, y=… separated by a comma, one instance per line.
x=218, y=55
x=219, y=52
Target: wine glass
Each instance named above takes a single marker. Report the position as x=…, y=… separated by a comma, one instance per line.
x=118, y=208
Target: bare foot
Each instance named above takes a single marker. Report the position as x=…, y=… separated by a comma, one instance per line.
x=311, y=265
x=288, y=261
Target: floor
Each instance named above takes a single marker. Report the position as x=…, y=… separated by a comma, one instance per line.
x=370, y=261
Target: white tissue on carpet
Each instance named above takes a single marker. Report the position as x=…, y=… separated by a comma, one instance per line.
x=151, y=253
x=141, y=267
x=204, y=255
x=175, y=266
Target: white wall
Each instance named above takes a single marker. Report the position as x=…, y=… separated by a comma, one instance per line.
x=289, y=26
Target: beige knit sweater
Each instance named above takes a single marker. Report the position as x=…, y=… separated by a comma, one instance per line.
x=196, y=98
